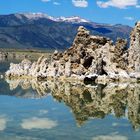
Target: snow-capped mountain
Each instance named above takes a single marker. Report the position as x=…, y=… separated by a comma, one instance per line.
x=36, y=16
x=72, y=19
x=28, y=30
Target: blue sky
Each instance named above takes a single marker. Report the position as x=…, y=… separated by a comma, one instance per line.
x=101, y=11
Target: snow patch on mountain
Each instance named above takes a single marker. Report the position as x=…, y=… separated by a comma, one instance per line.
x=35, y=16
x=72, y=19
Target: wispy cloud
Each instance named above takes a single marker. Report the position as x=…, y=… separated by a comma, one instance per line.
x=117, y=3
x=42, y=112
x=38, y=123
x=129, y=18
x=45, y=0
x=53, y=2
x=80, y=3
x=137, y=6
x=56, y=3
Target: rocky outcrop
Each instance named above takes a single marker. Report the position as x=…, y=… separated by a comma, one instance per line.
x=134, y=50
x=28, y=69
x=21, y=69
x=89, y=58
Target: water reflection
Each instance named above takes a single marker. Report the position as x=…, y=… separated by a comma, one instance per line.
x=86, y=101
x=3, y=121
x=38, y=123
x=110, y=137
x=39, y=88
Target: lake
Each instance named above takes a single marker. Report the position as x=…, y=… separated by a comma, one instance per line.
x=54, y=110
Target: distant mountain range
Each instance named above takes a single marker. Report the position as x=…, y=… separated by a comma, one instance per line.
x=37, y=30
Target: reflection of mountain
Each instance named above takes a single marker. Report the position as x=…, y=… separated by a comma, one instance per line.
x=92, y=101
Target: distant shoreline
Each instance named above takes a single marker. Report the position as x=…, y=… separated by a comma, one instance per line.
x=19, y=54
x=38, y=50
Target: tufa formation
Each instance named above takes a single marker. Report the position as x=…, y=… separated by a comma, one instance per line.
x=90, y=58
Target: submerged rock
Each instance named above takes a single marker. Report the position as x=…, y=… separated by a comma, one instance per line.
x=89, y=55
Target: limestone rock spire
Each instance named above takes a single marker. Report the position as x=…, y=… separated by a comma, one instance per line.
x=134, y=50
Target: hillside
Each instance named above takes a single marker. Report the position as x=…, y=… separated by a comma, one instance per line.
x=37, y=30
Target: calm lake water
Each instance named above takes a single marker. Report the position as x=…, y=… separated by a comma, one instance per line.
x=32, y=110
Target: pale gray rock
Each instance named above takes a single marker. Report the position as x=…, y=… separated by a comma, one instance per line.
x=21, y=69
x=68, y=69
x=134, y=50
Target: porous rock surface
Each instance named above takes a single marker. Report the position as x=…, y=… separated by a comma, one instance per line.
x=134, y=50
x=90, y=57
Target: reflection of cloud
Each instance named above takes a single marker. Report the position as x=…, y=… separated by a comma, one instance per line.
x=120, y=124
x=42, y=112
x=115, y=124
x=3, y=122
x=38, y=123
x=110, y=137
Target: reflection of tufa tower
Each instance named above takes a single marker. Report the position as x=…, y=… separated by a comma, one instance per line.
x=134, y=50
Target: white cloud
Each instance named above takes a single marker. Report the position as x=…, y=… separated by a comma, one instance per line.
x=110, y=137
x=3, y=122
x=56, y=3
x=137, y=6
x=117, y=3
x=129, y=18
x=80, y=3
x=46, y=0
x=38, y=123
